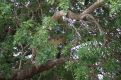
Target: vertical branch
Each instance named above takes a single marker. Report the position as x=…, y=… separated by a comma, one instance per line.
x=20, y=63
x=33, y=55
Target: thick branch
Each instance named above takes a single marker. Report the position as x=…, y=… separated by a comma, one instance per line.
x=78, y=16
x=28, y=73
x=92, y=8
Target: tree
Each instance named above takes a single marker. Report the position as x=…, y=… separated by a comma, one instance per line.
x=60, y=39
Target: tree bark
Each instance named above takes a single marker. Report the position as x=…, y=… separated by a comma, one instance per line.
x=78, y=16
x=28, y=73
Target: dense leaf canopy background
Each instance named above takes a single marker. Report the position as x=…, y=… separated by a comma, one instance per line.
x=31, y=35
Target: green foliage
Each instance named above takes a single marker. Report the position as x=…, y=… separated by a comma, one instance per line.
x=64, y=4
x=51, y=1
x=5, y=17
x=48, y=23
x=5, y=10
x=45, y=50
x=6, y=56
x=111, y=66
x=115, y=7
x=24, y=34
x=31, y=25
x=81, y=73
x=90, y=50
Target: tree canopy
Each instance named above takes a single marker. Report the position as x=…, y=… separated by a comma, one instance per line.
x=60, y=39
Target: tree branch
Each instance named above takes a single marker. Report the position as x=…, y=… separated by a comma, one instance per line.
x=97, y=4
x=58, y=15
x=28, y=73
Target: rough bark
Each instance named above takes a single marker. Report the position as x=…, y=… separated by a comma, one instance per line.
x=28, y=73
x=91, y=8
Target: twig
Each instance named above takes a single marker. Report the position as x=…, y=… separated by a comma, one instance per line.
x=77, y=32
x=94, y=20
